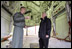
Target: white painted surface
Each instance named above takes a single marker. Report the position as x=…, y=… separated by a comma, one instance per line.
x=5, y=21
x=31, y=30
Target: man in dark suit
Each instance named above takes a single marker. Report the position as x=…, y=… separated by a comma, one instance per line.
x=44, y=31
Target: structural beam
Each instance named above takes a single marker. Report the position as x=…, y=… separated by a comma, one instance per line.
x=6, y=9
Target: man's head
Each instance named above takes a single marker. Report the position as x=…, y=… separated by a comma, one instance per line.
x=22, y=10
x=44, y=15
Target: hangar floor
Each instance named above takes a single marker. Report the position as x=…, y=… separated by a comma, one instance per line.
x=32, y=42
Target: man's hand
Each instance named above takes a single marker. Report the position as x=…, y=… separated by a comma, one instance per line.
x=47, y=36
x=27, y=17
x=25, y=26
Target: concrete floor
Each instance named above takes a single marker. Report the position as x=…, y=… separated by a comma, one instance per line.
x=53, y=43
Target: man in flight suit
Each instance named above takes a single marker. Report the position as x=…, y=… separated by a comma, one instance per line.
x=19, y=24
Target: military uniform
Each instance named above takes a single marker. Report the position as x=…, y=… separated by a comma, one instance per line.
x=19, y=23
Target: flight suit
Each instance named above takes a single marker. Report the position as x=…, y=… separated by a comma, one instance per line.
x=19, y=23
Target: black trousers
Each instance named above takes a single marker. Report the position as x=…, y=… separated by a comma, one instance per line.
x=43, y=43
